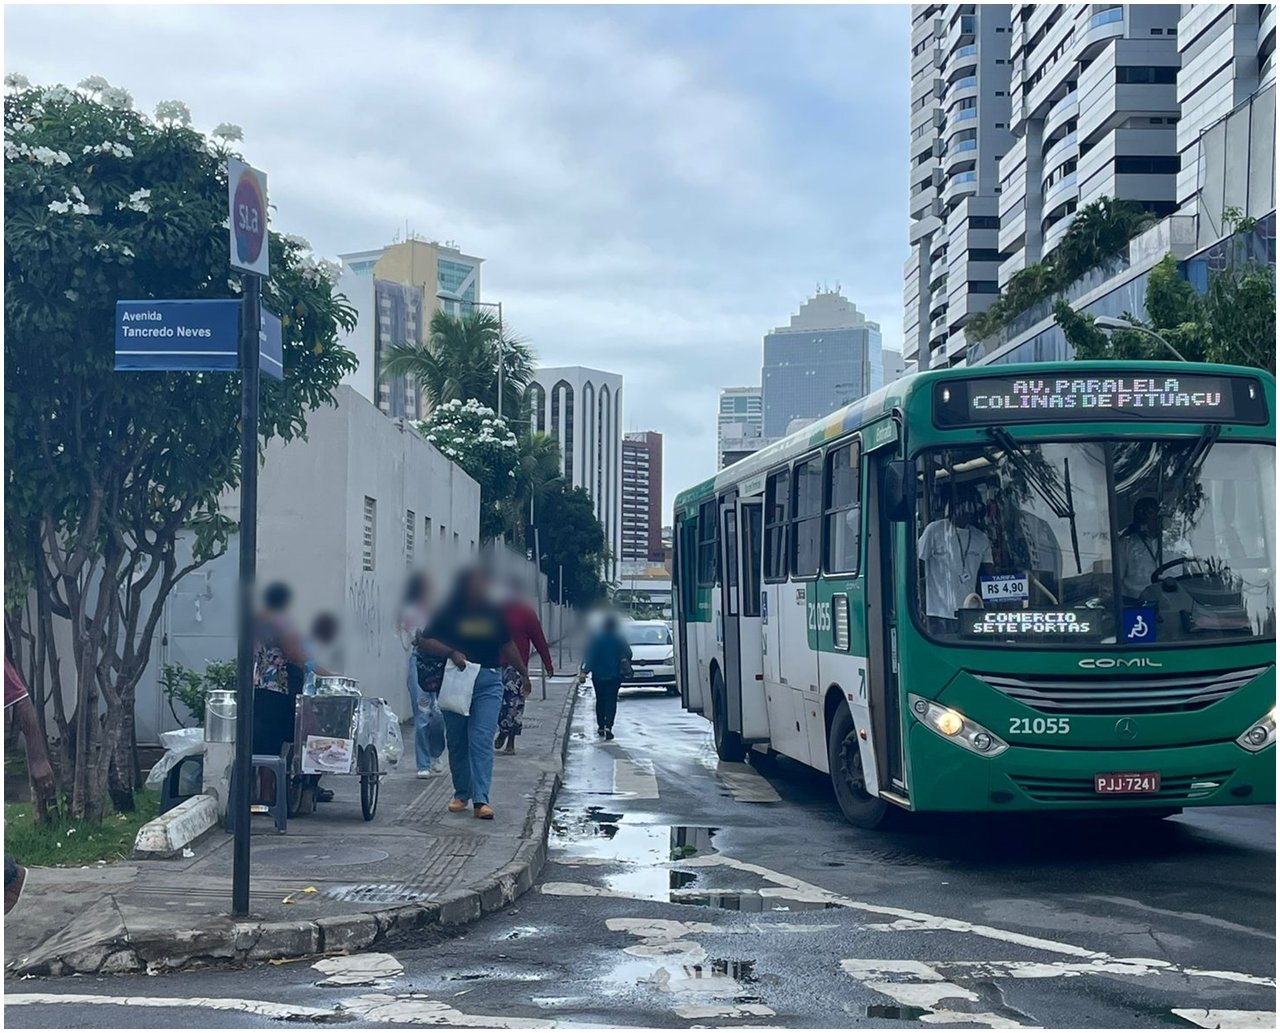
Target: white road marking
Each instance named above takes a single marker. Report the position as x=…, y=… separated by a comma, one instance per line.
x=635, y=779
x=1225, y=1018
x=724, y=1011
x=358, y=969
x=661, y=928
x=745, y=783
x=419, y=1009
x=267, y=1009
x=866, y=969
x=579, y=889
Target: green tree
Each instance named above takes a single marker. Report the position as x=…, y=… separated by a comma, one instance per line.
x=472, y=436
x=104, y=470
x=1235, y=322
x=459, y=362
x=536, y=469
x=573, y=541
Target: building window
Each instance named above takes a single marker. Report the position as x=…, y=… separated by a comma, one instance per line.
x=1146, y=74
x=806, y=520
x=707, y=544
x=368, y=544
x=409, y=530
x=457, y=542
x=843, y=511
x=1139, y=165
x=426, y=533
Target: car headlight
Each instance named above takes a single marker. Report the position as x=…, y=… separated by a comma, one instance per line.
x=1260, y=734
x=670, y=658
x=954, y=726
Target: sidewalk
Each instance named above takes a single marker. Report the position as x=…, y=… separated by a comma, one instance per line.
x=333, y=882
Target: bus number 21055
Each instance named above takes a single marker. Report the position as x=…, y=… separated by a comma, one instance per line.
x=1039, y=725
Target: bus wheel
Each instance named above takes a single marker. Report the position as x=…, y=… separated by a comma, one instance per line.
x=860, y=808
x=728, y=744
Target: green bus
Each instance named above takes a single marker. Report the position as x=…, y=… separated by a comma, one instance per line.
x=1020, y=588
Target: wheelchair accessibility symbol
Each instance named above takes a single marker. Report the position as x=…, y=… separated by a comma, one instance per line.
x=1139, y=624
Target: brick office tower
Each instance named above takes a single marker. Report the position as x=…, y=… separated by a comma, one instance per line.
x=642, y=497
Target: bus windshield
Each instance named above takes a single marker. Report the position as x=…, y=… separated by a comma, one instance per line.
x=1134, y=542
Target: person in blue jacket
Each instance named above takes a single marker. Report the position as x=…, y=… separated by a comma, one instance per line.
x=606, y=656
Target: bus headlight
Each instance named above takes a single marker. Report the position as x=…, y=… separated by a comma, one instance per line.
x=953, y=725
x=1260, y=734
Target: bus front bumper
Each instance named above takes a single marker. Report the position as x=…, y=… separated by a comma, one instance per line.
x=947, y=777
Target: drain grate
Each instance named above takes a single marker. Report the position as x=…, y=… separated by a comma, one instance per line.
x=377, y=893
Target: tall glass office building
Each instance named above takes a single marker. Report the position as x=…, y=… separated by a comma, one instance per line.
x=826, y=358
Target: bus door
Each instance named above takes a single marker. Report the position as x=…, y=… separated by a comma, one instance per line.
x=882, y=630
x=731, y=609
x=680, y=574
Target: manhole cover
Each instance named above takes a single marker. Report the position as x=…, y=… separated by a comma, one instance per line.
x=304, y=857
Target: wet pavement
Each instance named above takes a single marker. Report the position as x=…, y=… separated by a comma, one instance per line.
x=684, y=892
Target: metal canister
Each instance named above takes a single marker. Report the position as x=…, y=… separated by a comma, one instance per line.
x=220, y=716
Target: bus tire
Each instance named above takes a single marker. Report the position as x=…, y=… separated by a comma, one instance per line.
x=729, y=744
x=859, y=807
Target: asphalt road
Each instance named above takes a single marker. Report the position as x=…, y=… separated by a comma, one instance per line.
x=683, y=892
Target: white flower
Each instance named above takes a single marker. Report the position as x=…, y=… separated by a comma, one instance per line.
x=118, y=149
x=228, y=131
x=101, y=246
x=94, y=84
x=116, y=97
x=16, y=81
x=57, y=94
x=137, y=202
x=234, y=285
x=48, y=156
x=71, y=296
x=75, y=192
x=127, y=252
x=59, y=207
x=298, y=241
x=173, y=111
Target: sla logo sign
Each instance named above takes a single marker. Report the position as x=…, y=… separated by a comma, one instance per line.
x=247, y=203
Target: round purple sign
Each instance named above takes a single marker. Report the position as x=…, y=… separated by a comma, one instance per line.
x=250, y=219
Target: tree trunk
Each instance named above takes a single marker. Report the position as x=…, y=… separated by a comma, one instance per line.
x=122, y=777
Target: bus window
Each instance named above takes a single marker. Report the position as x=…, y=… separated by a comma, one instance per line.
x=844, y=510
x=776, y=505
x=707, y=558
x=806, y=521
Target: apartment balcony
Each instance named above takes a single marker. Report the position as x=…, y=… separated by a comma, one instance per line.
x=1013, y=228
x=1098, y=30
x=1060, y=192
x=928, y=56
x=924, y=227
x=964, y=59
x=960, y=157
x=924, y=144
x=1054, y=233
x=925, y=173
x=1015, y=263
x=960, y=185
x=922, y=202
x=1060, y=112
x=967, y=118
x=965, y=86
x=1061, y=150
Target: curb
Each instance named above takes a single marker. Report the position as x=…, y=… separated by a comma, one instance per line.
x=166, y=835
x=155, y=950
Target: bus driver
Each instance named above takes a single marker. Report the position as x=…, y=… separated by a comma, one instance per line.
x=954, y=552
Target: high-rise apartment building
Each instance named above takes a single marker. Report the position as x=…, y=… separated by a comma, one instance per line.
x=741, y=420
x=1227, y=54
x=959, y=132
x=642, y=497
x=582, y=409
x=1095, y=114
x=828, y=356
x=395, y=291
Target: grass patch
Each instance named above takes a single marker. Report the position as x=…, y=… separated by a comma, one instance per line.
x=69, y=843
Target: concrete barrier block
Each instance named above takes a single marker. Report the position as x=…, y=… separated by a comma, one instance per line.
x=166, y=835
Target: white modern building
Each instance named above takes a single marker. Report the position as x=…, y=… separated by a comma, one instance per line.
x=582, y=409
x=894, y=367
x=741, y=418
x=395, y=291
x=959, y=126
x=1095, y=114
x=1227, y=54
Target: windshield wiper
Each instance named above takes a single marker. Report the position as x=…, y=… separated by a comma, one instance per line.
x=1061, y=504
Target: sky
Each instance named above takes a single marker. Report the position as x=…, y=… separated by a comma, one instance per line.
x=652, y=188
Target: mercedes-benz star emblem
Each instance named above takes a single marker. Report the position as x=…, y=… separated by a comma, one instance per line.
x=1126, y=729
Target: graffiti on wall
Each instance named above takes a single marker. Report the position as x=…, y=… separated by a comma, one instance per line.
x=364, y=606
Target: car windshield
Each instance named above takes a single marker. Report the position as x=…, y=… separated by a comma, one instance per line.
x=647, y=634
x=1131, y=543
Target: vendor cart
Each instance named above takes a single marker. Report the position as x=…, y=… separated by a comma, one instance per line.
x=337, y=731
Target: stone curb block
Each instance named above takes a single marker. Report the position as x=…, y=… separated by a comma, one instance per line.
x=166, y=835
x=155, y=949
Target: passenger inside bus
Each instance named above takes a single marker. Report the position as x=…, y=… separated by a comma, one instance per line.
x=1144, y=548
x=953, y=551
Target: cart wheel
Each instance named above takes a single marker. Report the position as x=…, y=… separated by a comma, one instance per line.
x=369, y=779
x=293, y=798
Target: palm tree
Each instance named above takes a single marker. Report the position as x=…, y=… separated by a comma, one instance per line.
x=537, y=468
x=460, y=360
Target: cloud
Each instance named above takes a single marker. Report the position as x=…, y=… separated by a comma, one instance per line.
x=652, y=188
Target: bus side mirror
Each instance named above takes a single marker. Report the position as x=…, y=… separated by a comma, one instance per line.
x=899, y=491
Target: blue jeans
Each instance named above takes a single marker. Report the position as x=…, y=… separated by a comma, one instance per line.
x=471, y=739
x=428, y=720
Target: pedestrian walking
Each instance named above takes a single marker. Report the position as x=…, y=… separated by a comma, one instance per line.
x=606, y=659
x=526, y=632
x=19, y=708
x=428, y=719
x=470, y=627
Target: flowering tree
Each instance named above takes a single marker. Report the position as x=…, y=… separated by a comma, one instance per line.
x=473, y=437
x=104, y=470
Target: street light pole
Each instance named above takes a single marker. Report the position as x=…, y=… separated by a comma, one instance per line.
x=1111, y=323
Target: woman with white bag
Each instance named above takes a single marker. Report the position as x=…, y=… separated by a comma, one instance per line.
x=471, y=633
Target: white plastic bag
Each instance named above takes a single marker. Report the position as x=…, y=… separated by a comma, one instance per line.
x=394, y=748
x=184, y=742
x=456, y=689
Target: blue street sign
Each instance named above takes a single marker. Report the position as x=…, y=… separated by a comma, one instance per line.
x=178, y=335
x=271, y=349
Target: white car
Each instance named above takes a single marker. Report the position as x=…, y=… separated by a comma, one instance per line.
x=652, y=655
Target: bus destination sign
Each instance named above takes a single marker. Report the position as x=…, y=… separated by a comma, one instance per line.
x=1196, y=398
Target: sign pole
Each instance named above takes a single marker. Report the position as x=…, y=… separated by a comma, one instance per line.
x=249, y=363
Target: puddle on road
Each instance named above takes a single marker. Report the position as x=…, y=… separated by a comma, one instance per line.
x=895, y=1011
x=750, y=902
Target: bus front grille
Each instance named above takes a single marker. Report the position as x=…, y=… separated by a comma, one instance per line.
x=1172, y=787
x=1111, y=694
